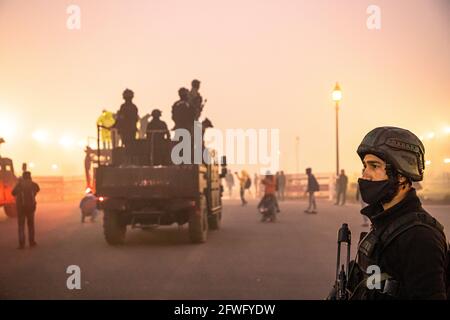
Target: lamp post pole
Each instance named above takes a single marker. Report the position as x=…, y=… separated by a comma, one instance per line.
x=297, y=167
x=337, y=138
x=337, y=96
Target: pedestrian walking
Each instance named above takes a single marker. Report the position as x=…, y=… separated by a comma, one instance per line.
x=244, y=183
x=342, y=183
x=312, y=187
x=25, y=192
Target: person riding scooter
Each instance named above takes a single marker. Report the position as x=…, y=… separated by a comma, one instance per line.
x=270, y=186
x=88, y=206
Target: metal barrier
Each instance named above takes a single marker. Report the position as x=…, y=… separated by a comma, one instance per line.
x=60, y=188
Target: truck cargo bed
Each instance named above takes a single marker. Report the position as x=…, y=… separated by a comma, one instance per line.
x=151, y=181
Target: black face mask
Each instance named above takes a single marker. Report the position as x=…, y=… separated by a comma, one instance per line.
x=373, y=192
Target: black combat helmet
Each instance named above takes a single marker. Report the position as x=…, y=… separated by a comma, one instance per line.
x=128, y=94
x=183, y=92
x=195, y=83
x=156, y=113
x=398, y=147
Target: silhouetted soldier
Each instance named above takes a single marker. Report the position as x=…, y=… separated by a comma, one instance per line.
x=206, y=124
x=195, y=99
x=183, y=116
x=182, y=112
x=25, y=192
x=158, y=135
x=127, y=118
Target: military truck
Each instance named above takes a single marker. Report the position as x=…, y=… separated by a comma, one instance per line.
x=7, y=182
x=132, y=191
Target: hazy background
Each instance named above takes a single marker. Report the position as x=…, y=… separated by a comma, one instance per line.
x=263, y=64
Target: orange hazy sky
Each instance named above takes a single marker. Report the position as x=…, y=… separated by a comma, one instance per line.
x=262, y=63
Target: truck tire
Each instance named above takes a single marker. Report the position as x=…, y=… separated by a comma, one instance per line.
x=114, y=230
x=198, y=224
x=10, y=210
x=215, y=220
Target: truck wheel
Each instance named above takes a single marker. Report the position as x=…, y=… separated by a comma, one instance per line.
x=198, y=224
x=114, y=230
x=10, y=210
x=215, y=221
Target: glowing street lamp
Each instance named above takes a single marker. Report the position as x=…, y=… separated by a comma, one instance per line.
x=8, y=128
x=337, y=97
x=66, y=141
x=447, y=160
x=428, y=162
x=40, y=136
x=337, y=93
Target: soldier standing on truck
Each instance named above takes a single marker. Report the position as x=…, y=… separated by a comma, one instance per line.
x=183, y=116
x=127, y=118
x=25, y=192
x=182, y=112
x=195, y=99
x=158, y=135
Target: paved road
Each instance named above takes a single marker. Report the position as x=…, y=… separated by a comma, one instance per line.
x=291, y=259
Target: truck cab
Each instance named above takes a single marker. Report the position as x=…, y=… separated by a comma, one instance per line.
x=7, y=182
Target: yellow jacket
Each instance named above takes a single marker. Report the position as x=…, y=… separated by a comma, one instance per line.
x=242, y=178
x=106, y=119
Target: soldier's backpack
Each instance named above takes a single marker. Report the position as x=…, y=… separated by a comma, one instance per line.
x=248, y=183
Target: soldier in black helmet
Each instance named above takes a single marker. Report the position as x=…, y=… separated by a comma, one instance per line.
x=157, y=127
x=127, y=118
x=405, y=242
x=182, y=112
x=158, y=136
x=195, y=99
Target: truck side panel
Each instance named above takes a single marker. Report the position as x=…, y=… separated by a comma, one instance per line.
x=151, y=182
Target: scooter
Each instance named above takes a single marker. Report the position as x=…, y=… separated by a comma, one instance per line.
x=268, y=209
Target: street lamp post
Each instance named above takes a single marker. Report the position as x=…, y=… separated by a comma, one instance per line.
x=297, y=166
x=337, y=96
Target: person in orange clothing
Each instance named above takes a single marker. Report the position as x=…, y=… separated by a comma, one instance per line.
x=270, y=188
